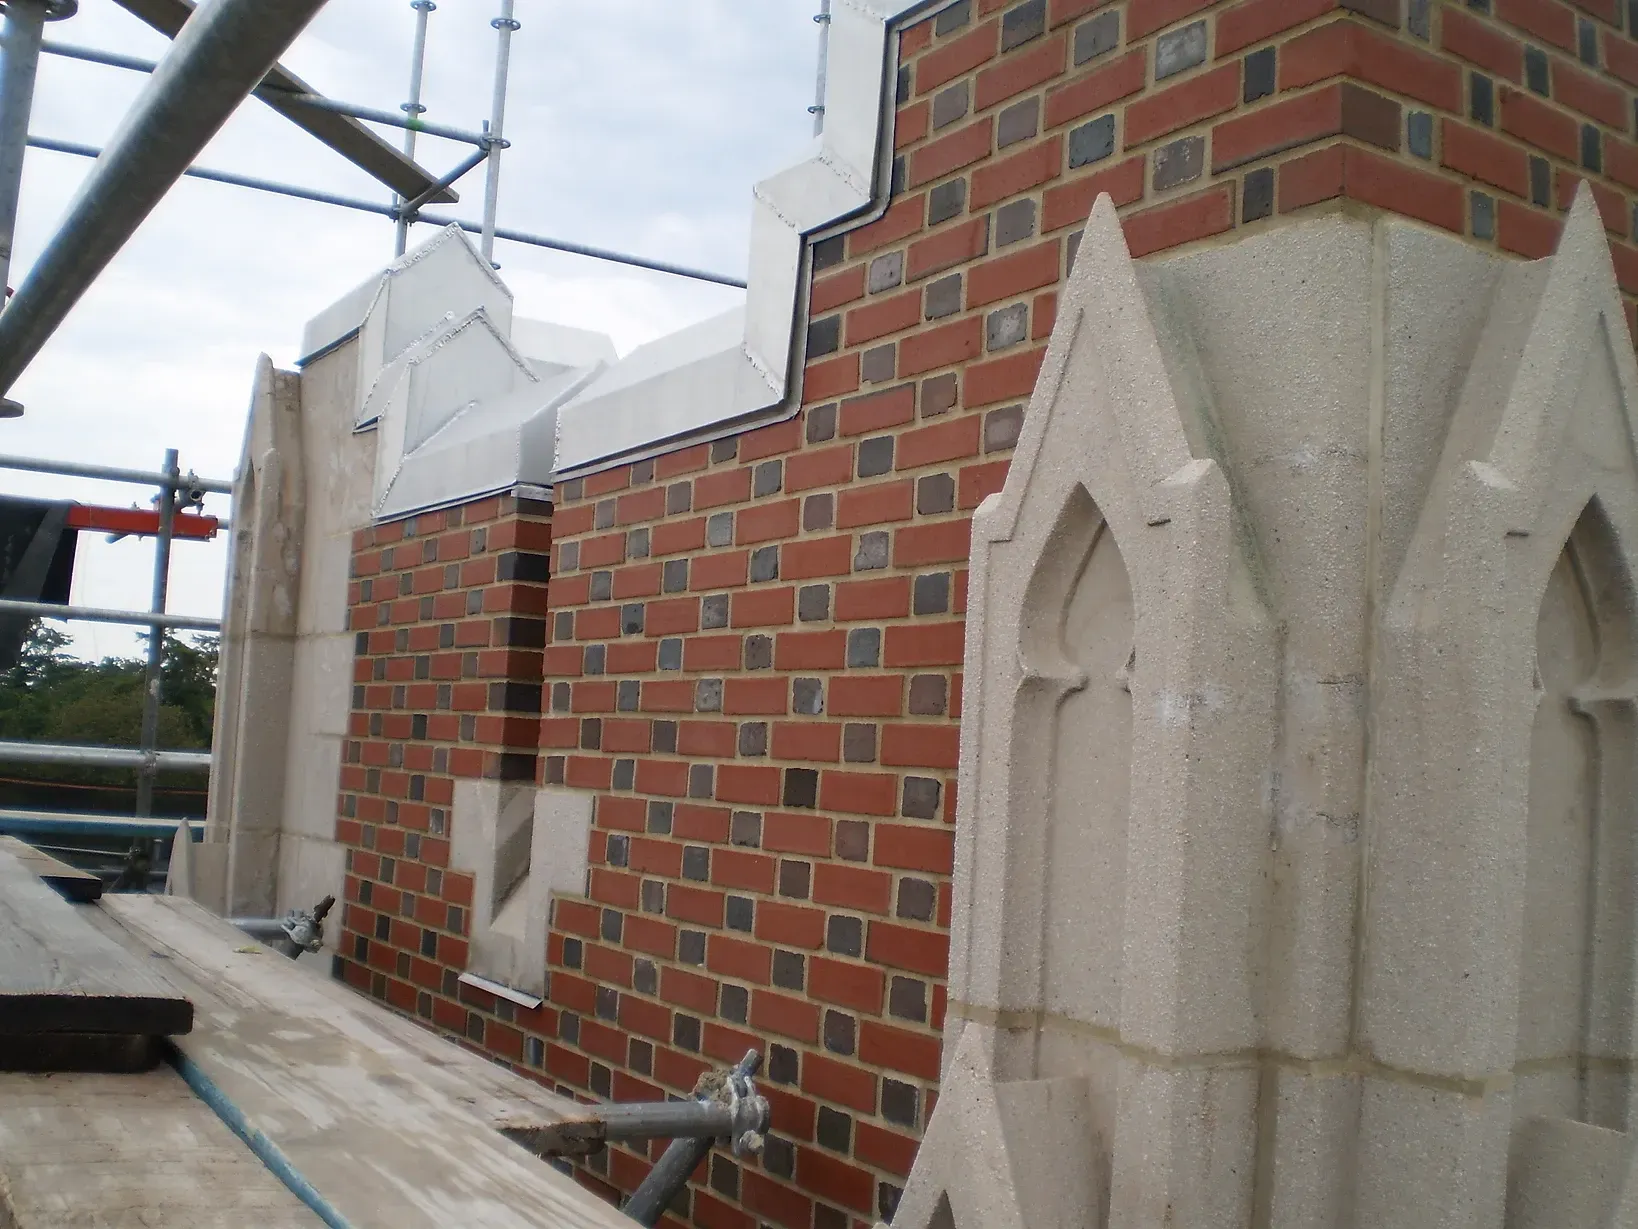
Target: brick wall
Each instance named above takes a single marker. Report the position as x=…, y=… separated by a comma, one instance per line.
x=755, y=646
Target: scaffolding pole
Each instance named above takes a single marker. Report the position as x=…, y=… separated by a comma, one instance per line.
x=219, y=57
x=504, y=25
x=155, y=675
x=413, y=108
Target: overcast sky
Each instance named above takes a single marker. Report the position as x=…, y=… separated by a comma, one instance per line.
x=638, y=125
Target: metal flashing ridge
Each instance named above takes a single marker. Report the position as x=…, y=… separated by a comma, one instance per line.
x=745, y=368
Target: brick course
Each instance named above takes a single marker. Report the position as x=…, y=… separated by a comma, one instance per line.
x=752, y=648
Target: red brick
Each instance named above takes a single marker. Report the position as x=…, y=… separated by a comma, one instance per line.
x=949, y=153
x=1095, y=91
x=837, y=289
x=1479, y=42
x=943, y=441
x=942, y=542
x=750, y=783
x=729, y=486
x=768, y=522
x=883, y=1150
x=859, y=793
x=807, y=741
x=886, y=598
x=771, y=441
x=939, y=644
x=1019, y=72
x=941, y=347
x=1314, y=177
x=920, y=746
x=1002, y=379
x=1599, y=100
x=1389, y=184
x=607, y=481
x=690, y=904
x=911, y=124
x=830, y=378
x=915, y=39
x=708, y=653
x=683, y=461
x=763, y=608
x=645, y=1018
x=1612, y=206
x=1144, y=17
x=674, y=615
x=743, y=697
x=1546, y=19
x=841, y=1083
x=668, y=777
x=879, y=411
x=877, y=504
x=1626, y=266
x=846, y=985
x=790, y=925
x=725, y=570
x=796, y=832
x=1070, y=203
x=640, y=506
x=950, y=246
x=1061, y=11
x=1283, y=125
x=957, y=57
x=814, y=557
x=820, y=467
x=1349, y=49
x=1525, y=231
x=707, y=738
x=784, y=1016
x=640, y=581
x=882, y=316
x=1196, y=99
x=911, y=848
x=1007, y=277
x=825, y=650
x=902, y=219
x=1477, y=154
x=1252, y=22
x=916, y=951
x=737, y=958
x=772, y=1200
x=880, y=695
x=675, y=537
x=651, y=857
x=1193, y=217
x=977, y=481
x=1621, y=57
x=739, y=868
x=1039, y=164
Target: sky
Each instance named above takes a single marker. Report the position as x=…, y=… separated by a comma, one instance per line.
x=635, y=125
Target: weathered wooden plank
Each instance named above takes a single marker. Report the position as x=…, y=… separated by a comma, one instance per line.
x=70, y=882
x=390, y=1124
x=108, y=1152
x=59, y=975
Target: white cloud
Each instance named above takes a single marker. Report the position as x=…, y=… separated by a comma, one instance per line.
x=636, y=125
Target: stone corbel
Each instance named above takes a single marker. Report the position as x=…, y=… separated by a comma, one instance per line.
x=521, y=845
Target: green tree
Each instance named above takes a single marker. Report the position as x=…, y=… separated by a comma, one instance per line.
x=51, y=697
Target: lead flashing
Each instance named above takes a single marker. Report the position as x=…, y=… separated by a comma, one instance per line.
x=710, y=385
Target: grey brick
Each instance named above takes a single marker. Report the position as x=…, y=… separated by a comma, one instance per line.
x=758, y=652
x=938, y=393
x=675, y=575
x=929, y=694
x=934, y=494
x=708, y=696
x=1180, y=50
x=821, y=423
x=1587, y=41
x=768, y=478
x=841, y=1032
x=876, y=456
x=1535, y=71
x=906, y=999
x=764, y=564
x=808, y=697
x=719, y=529
x=872, y=552
x=954, y=17
x=1419, y=134
x=1014, y=222
x=864, y=647
x=931, y=594
x=1483, y=207
x=813, y=603
x=637, y=544
x=943, y=297
x=921, y=797
x=879, y=365
x=1001, y=428
x=951, y=104
x=1541, y=182
x=819, y=511
x=1259, y=81
x=1179, y=162
x=753, y=738
x=917, y=900
x=679, y=497
x=801, y=788
x=1007, y=327
x=1023, y=23
x=1018, y=122
x=824, y=336
x=946, y=201
x=1257, y=195
x=886, y=272
x=1098, y=36
x=1091, y=142
x=745, y=828
x=858, y=743
x=714, y=611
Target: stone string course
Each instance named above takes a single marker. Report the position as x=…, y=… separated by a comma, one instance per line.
x=751, y=652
